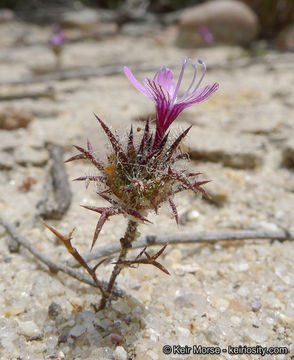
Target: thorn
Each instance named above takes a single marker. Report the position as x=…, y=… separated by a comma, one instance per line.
x=159, y=252
x=97, y=265
x=174, y=210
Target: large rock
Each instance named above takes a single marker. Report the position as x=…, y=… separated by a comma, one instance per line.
x=239, y=151
x=83, y=19
x=228, y=21
x=285, y=40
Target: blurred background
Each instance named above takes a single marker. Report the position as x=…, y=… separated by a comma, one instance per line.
x=271, y=20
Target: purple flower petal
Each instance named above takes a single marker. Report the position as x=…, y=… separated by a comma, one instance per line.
x=165, y=78
x=134, y=81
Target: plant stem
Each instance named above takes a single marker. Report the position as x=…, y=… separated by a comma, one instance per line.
x=126, y=244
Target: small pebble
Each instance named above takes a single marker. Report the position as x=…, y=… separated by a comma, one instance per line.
x=116, y=339
x=29, y=329
x=256, y=305
x=77, y=331
x=54, y=310
x=120, y=353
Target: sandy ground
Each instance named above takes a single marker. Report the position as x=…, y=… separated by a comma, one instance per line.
x=231, y=293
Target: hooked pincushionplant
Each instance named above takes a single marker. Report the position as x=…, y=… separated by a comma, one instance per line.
x=141, y=174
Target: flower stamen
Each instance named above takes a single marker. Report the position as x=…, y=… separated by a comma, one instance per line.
x=192, y=82
x=179, y=80
x=204, y=72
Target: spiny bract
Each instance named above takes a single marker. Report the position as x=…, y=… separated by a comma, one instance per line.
x=138, y=178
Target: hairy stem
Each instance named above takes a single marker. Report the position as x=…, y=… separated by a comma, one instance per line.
x=126, y=244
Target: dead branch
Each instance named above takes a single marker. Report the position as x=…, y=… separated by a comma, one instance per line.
x=57, y=194
x=53, y=266
x=73, y=251
x=200, y=237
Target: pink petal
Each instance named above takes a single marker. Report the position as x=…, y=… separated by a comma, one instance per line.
x=134, y=81
x=156, y=91
x=165, y=78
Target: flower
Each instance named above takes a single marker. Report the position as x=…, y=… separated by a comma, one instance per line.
x=164, y=92
x=58, y=37
x=206, y=35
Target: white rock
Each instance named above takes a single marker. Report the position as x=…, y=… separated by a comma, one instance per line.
x=77, y=331
x=222, y=305
x=284, y=274
x=29, y=329
x=257, y=335
x=228, y=21
x=243, y=291
x=241, y=266
x=236, y=320
x=120, y=353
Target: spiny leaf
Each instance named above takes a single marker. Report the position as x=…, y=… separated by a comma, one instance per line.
x=91, y=156
x=136, y=214
x=194, y=187
x=90, y=147
x=154, y=257
x=176, y=143
x=158, y=151
x=91, y=178
x=131, y=147
x=174, y=209
x=194, y=174
x=76, y=157
x=100, y=210
x=104, y=216
x=107, y=198
x=144, y=137
x=113, y=140
x=179, y=157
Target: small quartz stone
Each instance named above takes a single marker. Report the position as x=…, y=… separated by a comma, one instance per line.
x=256, y=305
x=77, y=331
x=120, y=353
x=29, y=329
x=256, y=334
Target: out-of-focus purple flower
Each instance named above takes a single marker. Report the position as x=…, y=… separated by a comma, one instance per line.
x=206, y=34
x=164, y=92
x=57, y=39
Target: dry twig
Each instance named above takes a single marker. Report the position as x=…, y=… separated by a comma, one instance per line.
x=57, y=194
x=53, y=266
x=200, y=237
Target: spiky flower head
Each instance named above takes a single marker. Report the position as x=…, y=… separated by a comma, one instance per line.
x=141, y=174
